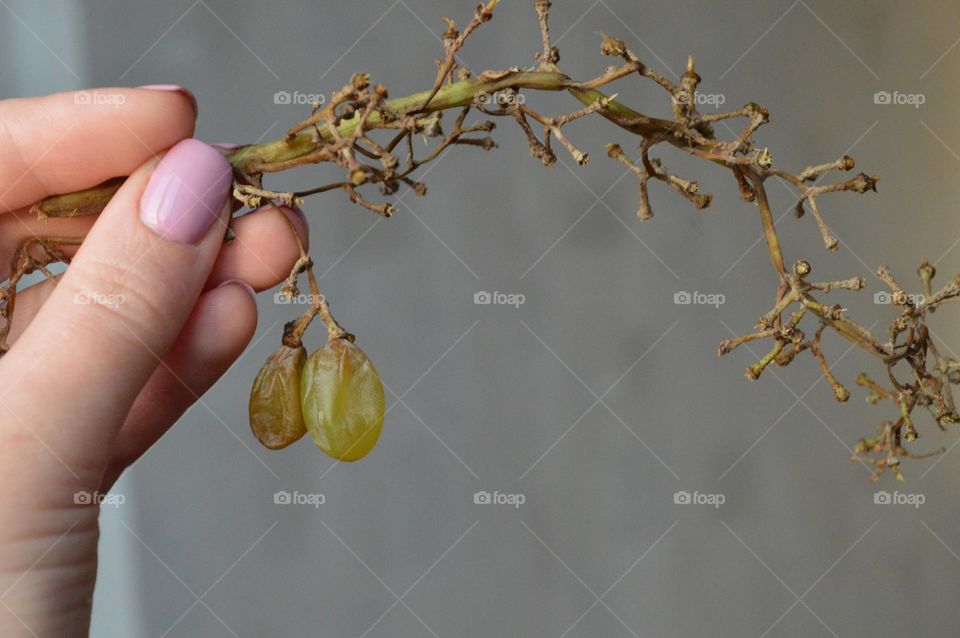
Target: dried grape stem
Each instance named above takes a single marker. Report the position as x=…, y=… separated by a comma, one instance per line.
x=33, y=255
x=342, y=131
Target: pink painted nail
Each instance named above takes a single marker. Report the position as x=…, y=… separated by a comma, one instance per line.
x=173, y=88
x=187, y=192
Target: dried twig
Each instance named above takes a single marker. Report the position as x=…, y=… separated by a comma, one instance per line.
x=345, y=132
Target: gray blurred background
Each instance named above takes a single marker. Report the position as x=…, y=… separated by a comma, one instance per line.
x=597, y=399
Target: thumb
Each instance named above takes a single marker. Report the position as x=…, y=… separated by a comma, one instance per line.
x=120, y=305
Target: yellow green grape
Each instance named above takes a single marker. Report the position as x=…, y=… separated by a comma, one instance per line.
x=342, y=400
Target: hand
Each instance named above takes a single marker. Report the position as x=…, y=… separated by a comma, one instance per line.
x=152, y=310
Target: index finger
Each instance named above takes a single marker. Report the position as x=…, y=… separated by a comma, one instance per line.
x=71, y=141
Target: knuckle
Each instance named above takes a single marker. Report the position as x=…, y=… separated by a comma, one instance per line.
x=112, y=295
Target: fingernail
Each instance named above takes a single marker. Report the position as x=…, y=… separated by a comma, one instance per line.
x=187, y=192
x=173, y=88
x=298, y=212
x=299, y=221
x=242, y=284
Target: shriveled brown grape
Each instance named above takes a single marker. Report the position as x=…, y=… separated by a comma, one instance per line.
x=342, y=400
x=275, y=416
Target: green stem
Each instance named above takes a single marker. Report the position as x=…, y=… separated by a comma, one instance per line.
x=258, y=158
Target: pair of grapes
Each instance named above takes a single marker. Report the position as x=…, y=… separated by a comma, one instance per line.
x=335, y=394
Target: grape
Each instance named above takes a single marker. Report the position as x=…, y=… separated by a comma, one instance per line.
x=275, y=416
x=342, y=400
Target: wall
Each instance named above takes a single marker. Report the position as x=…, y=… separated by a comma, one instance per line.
x=598, y=398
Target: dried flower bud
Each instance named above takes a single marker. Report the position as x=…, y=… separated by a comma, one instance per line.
x=358, y=176
x=798, y=210
x=864, y=445
x=360, y=81
x=755, y=109
x=785, y=357
x=926, y=272
x=841, y=393
x=612, y=46
x=690, y=75
x=862, y=182
x=764, y=159
x=451, y=33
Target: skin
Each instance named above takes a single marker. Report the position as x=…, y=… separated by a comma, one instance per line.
x=86, y=389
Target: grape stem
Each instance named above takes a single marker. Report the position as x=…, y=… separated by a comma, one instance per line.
x=345, y=131
x=294, y=330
